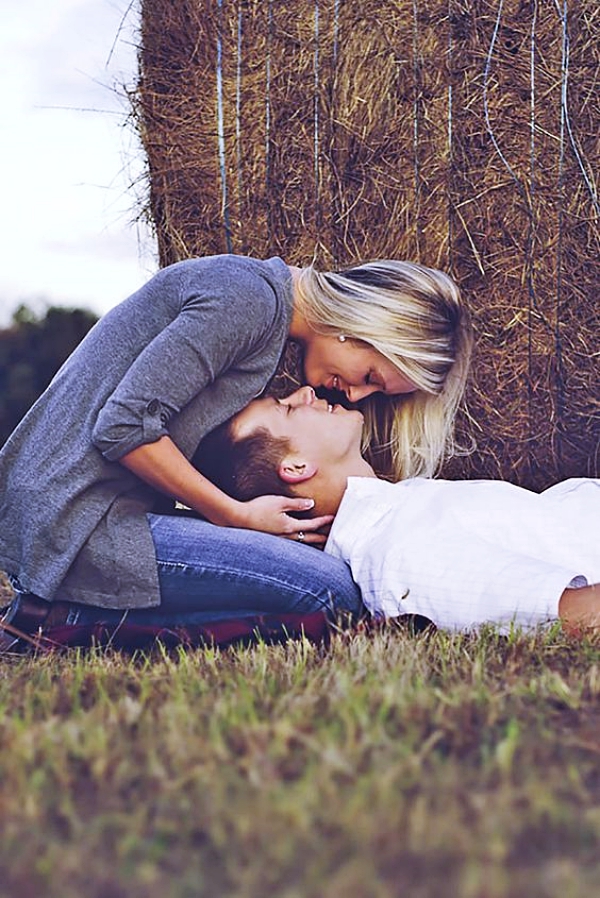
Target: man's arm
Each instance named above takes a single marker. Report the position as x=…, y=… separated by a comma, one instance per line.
x=579, y=609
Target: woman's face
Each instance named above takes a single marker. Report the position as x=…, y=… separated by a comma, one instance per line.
x=352, y=367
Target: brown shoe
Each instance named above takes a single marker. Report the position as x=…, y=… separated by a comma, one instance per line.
x=21, y=621
x=9, y=641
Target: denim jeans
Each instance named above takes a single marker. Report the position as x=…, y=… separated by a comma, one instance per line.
x=208, y=573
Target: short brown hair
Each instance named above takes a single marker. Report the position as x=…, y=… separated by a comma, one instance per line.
x=244, y=468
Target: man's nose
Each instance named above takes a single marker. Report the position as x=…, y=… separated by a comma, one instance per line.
x=303, y=396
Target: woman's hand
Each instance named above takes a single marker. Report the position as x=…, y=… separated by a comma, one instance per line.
x=162, y=465
x=271, y=515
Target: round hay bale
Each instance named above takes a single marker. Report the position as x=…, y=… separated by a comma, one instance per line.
x=462, y=136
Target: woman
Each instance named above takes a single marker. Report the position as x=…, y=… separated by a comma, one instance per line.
x=82, y=474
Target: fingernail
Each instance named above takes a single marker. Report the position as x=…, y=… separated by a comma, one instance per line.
x=309, y=503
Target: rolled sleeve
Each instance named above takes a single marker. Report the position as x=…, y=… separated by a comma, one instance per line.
x=212, y=332
x=114, y=438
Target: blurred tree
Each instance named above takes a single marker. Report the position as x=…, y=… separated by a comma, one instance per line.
x=32, y=350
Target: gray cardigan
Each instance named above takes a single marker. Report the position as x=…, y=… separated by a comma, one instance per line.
x=189, y=349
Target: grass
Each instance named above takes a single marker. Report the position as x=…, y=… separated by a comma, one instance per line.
x=385, y=765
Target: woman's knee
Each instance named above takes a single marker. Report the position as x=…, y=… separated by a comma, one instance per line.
x=207, y=567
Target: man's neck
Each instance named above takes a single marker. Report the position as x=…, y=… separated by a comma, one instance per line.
x=329, y=491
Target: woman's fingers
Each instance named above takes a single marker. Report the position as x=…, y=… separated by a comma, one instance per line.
x=309, y=539
x=311, y=531
x=308, y=525
x=273, y=514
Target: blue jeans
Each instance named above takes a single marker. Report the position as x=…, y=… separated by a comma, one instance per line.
x=208, y=573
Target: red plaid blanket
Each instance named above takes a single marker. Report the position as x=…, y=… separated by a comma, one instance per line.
x=265, y=628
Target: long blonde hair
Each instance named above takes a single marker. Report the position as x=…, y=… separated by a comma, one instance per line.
x=415, y=318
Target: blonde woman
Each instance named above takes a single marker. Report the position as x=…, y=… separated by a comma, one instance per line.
x=82, y=475
x=405, y=338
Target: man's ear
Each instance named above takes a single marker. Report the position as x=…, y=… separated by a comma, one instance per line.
x=296, y=470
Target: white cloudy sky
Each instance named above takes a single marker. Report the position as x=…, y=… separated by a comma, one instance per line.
x=67, y=157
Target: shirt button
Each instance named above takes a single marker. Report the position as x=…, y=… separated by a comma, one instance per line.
x=153, y=407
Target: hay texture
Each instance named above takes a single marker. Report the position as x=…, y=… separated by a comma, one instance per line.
x=463, y=135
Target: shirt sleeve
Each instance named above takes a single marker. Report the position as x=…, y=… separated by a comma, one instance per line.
x=459, y=586
x=220, y=323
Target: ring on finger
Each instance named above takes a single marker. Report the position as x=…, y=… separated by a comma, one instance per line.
x=300, y=536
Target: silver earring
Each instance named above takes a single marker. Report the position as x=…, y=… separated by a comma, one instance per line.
x=342, y=338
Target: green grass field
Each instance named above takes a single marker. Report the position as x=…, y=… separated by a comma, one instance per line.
x=384, y=765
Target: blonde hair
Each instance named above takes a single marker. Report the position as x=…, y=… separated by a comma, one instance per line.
x=415, y=318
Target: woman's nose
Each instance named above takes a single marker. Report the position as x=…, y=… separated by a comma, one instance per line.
x=355, y=394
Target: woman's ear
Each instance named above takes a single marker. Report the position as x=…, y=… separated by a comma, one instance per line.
x=295, y=470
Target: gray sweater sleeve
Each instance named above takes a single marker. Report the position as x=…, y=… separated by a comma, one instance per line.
x=218, y=321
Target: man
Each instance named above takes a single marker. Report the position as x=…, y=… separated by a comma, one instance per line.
x=460, y=553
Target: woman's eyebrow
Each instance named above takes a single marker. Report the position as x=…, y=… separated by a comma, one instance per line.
x=381, y=379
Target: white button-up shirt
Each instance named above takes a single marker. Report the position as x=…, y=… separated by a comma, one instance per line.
x=464, y=553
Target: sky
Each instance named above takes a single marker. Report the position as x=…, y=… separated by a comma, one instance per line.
x=71, y=165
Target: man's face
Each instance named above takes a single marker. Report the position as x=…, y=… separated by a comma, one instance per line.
x=321, y=433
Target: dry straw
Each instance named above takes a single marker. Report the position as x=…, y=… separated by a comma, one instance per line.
x=463, y=135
